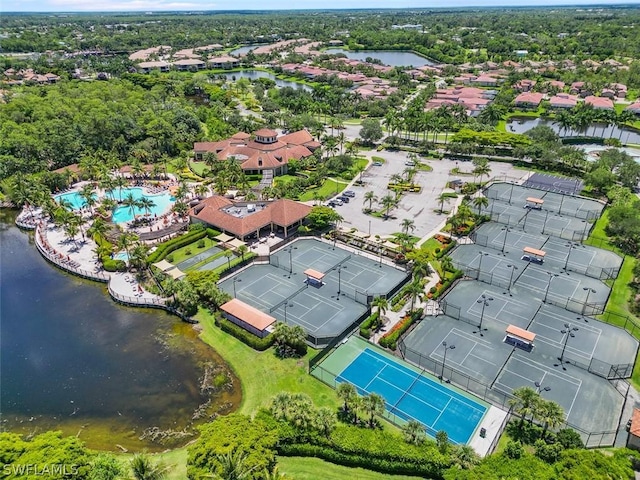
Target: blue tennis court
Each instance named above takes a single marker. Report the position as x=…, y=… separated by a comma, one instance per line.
x=410, y=395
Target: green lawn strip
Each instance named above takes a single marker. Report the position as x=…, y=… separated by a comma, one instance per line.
x=199, y=168
x=180, y=254
x=329, y=188
x=309, y=468
x=262, y=375
x=617, y=309
x=175, y=462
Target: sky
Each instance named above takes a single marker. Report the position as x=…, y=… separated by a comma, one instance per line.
x=206, y=5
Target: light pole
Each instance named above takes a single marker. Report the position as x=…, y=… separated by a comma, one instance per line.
x=290, y=250
x=481, y=254
x=380, y=252
x=568, y=332
x=589, y=291
x=513, y=268
x=339, y=269
x=561, y=202
x=235, y=280
x=546, y=292
x=504, y=243
x=571, y=246
x=287, y=304
x=540, y=388
x=546, y=216
x=444, y=360
x=511, y=192
x=484, y=300
x=369, y=227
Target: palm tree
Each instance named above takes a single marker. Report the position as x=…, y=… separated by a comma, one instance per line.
x=370, y=197
x=416, y=291
x=242, y=250
x=481, y=170
x=347, y=393
x=465, y=457
x=120, y=183
x=480, y=202
x=228, y=254
x=420, y=269
x=372, y=405
x=233, y=466
x=126, y=241
x=144, y=469
x=146, y=203
x=326, y=421
x=414, y=432
x=86, y=192
x=408, y=224
x=551, y=414
x=442, y=198
x=523, y=402
x=381, y=304
x=446, y=264
x=387, y=202
x=98, y=228
x=131, y=202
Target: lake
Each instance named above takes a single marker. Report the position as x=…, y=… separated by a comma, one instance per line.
x=255, y=74
x=74, y=360
x=391, y=58
x=246, y=49
x=626, y=135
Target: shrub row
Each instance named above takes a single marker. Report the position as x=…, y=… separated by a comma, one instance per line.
x=447, y=283
x=244, y=336
x=169, y=246
x=421, y=468
x=212, y=233
x=443, y=251
x=236, y=261
x=365, y=327
x=390, y=339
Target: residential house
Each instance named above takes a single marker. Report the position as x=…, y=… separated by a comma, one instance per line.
x=524, y=85
x=563, y=100
x=634, y=107
x=529, y=100
x=146, y=67
x=599, y=103
x=224, y=61
x=189, y=64
x=485, y=80
x=633, y=439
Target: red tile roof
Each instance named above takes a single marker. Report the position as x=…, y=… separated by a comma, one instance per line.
x=266, y=132
x=635, y=423
x=283, y=212
x=599, y=102
x=248, y=314
x=530, y=98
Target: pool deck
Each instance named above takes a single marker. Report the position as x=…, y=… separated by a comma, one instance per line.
x=77, y=257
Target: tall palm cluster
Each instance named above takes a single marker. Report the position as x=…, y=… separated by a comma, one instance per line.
x=528, y=403
x=579, y=118
x=354, y=405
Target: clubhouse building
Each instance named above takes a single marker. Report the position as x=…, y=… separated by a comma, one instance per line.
x=250, y=219
x=263, y=151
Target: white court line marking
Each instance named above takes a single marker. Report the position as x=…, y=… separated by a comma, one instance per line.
x=543, y=368
x=442, y=411
x=468, y=353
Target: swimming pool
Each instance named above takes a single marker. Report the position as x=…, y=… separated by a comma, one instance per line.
x=162, y=203
x=72, y=198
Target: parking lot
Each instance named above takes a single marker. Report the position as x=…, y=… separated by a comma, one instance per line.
x=420, y=207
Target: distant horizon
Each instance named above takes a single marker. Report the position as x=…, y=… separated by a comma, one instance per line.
x=204, y=6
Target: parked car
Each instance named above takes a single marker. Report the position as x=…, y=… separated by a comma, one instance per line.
x=349, y=193
x=377, y=164
x=343, y=199
x=336, y=202
x=409, y=163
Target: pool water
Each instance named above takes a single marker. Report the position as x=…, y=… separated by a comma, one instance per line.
x=121, y=214
x=124, y=256
x=72, y=198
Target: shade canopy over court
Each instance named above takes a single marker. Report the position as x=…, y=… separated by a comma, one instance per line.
x=519, y=336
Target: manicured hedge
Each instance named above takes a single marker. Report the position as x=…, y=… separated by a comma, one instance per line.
x=445, y=249
x=372, y=449
x=212, y=233
x=111, y=265
x=447, y=283
x=167, y=247
x=365, y=327
x=390, y=339
x=244, y=336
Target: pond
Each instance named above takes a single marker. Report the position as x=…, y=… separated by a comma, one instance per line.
x=625, y=135
x=255, y=74
x=73, y=360
x=391, y=58
x=245, y=49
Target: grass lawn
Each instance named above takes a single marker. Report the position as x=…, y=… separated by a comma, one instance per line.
x=262, y=374
x=180, y=254
x=617, y=309
x=199, y=168
x=309, y=468
x=329, y=188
